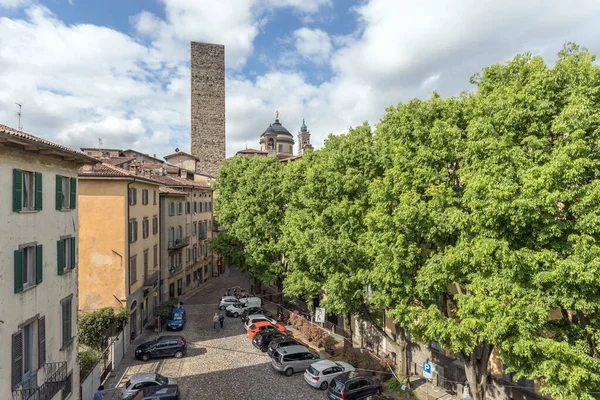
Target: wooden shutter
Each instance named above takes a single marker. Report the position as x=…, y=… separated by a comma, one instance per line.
x=38, y=191
x=18, y=271
x=17, y=358
x=17, y=189
x=41, y=341
x=60, y=252
x=65, y=322
x=39, y=264
x=59, y=192
x=73, y=199
x=73, y=253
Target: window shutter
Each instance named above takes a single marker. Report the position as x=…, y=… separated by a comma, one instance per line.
x=59, y=192
x=39, y=264
x=65, y=322
x=60, y=251
x=17, y=358
x=73, y=199
x=73, y=253
x=18, y=271
x=41, y=341
x=38, y=191
x=17, y=189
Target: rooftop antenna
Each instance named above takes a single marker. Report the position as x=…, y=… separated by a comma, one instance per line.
x=19, y=127
x=99, y=143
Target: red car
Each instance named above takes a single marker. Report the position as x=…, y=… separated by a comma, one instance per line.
x=263, y=326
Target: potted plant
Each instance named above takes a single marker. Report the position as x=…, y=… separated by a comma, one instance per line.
x=316, y=334
x=329, y=343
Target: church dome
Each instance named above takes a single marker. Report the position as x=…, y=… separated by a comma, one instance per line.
x=278, y=129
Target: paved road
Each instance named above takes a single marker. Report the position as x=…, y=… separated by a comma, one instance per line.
x=223, y=364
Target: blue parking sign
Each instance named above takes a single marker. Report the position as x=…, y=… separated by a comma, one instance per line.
x=426, y=370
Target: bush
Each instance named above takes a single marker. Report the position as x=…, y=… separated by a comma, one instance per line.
x=370, y=362
x=316, y=334
x=293, y=318
x=93, y=327
x=87, y=359
x=164, y=310
x=396, y=385
x=300, y=321
x=329, y=342
x=306, y=330
x=353, y=356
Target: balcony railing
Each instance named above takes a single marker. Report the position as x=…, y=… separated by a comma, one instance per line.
x=150, y=279
x=201, y=235
x=179, y=243
x=56, y=376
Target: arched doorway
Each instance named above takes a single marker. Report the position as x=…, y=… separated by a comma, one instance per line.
x=133, y=319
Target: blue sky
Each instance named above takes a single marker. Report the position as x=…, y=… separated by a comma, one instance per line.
x=119, y=70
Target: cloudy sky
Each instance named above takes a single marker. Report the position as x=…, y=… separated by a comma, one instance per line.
x=119, y=70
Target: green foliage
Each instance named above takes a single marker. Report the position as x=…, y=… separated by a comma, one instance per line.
x=87, y=359
x=396, y=386
x=329, y=342
x=93, y=328
x=164, y=310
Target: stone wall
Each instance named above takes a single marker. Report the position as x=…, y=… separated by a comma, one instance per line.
x=207, y=64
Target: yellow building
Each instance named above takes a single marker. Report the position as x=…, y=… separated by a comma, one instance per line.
x=119, y=249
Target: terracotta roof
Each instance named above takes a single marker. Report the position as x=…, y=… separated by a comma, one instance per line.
x=118, y=161
x=26, y=138
x=170, y=180
x=97, y=149
x=252, y=151
x=110, y=171
x=168, y=190
x=180, y=153
x=142, y=154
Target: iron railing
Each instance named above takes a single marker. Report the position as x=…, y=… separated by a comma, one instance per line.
x=150, y=279
x=179, y=243
x=56, y=375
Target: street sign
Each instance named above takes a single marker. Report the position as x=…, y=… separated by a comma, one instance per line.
x=319, y=314
x=426, y=370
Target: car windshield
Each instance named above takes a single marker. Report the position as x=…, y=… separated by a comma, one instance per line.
x=176, y=317
x=161, y=379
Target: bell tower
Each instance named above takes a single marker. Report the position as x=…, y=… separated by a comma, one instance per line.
x=303, y=139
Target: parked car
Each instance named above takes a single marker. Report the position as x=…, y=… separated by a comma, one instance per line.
x=258, y=318
x=238, y=307
x=319, y=374
x=164, y=346
x=263, y=327
x=176, y=319
x=287, y=360
x=261, y=340
x=282, y=342
x=253, y=311
x=377, y=397
x=158, y=392
x=352, y=386
x=226, y=301
x=139, y=381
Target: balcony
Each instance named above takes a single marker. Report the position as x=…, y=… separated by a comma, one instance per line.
x=56, y=376
x=150, y=279
x=178, y=243
x=202, y=236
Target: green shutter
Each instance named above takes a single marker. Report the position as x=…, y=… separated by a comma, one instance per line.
x=59, y=192
x=39, y=264
x=73, y=193
x=73, y=253
x=17, y=189
x=38, y=191
x=18, y=271
x=60, y=251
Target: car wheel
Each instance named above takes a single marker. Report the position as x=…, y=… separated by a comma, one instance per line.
x=263, y=349
x=178, y=354
x=221, y=308
x=145, y=357
x=324, y=386
x=289, y=372
x=235, y=315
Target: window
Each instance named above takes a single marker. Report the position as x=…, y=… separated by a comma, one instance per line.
x=179, y=287
x=133, y=231
x=187, y=229
x=23, y=349
x=66, y=192
x=155, y=224
x=171, y=208
x=180, y=207
x=280, y=147
x=195, y=207
x=154, y=198
x=188, y=279
x=187, y=255
x=144, y=196
x=194, y=253
x=67, y=321
x=171, y=234
x=206, y=206
x=68, y=388
x=146, y=263
x=155, y=255
x=27, y=190
x=200, y=206
x=180, y=232
x=132, y=270
x=210, y=206
x=179, y=259
x=187, y=207
x=28, y=267
x=145, y=227
x=132, y=196
x=66, y=251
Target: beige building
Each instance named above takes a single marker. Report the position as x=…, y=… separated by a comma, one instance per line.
x=119, y=244
x=39, y=267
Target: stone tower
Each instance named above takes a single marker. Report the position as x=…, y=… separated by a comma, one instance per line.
x=303, y=139
x=207, y=64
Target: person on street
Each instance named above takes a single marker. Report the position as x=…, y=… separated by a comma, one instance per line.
x=216, y=321
x=99, y=395
x=221, y=319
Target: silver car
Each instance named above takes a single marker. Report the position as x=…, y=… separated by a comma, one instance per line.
x=139, y=381
x=290, y=359
x=319, y=374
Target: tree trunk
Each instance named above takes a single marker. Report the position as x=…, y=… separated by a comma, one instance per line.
x=476, y=369
x=347, y=332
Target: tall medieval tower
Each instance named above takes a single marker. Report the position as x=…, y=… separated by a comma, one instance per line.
x=207, y=62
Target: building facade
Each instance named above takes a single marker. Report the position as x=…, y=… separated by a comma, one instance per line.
x=174, y=241
x=39, y=267
x=119, y=244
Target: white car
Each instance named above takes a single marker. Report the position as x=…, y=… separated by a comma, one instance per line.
x=139, y=381
x=237, y=308
x=258, y=318
x=319, y=374
x=226, y=301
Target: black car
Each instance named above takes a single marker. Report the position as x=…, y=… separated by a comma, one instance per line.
x=282, y=342
x=352, y=386
x=164, y=346
x=253, y=311
x=261, y=340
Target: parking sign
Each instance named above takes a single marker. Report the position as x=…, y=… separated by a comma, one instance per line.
x=426, y=370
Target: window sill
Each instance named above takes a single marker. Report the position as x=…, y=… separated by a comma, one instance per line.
x=28, y=211
x=68, y=344
x=28, y=288
x=67, y=271
x=66, y=209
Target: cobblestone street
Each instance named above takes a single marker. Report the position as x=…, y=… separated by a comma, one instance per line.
x=222, y=364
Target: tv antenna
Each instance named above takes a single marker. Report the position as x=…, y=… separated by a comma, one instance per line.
x=99, y=143
x=19, y=127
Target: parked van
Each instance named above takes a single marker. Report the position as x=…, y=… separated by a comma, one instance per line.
x=176, y=319
x=237, y=308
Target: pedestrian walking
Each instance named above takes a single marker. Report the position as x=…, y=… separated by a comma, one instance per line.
x=221, y=319
x=216, y=321
x=99, y=395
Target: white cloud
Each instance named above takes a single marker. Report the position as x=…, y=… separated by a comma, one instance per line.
x=13, y=3
x=313, y=44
